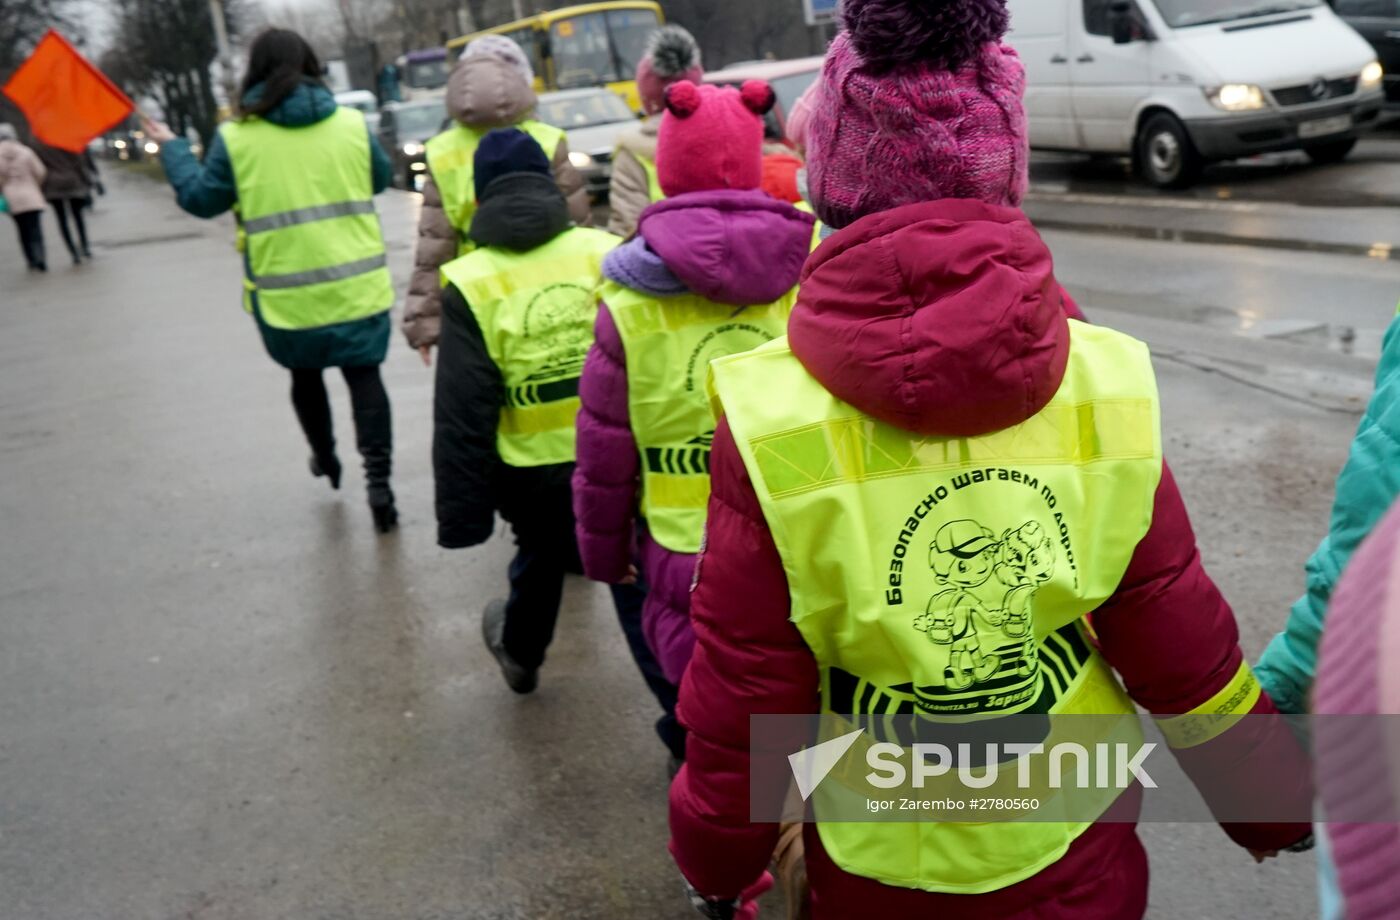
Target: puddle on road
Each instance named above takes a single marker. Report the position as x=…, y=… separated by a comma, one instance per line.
x=1308, y=333
x=1381, y=251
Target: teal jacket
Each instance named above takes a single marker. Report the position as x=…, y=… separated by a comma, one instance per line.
x=207, y=190
x=1366, y=488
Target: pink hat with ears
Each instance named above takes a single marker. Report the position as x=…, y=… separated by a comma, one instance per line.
x=711, y=137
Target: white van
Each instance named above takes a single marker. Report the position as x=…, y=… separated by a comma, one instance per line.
x=1177, y=84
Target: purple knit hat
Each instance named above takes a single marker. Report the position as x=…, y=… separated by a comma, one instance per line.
x=919, y=101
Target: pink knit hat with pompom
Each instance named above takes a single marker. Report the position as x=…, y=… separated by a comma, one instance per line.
x=671, y=55
x=919, y=101
x=711, y=137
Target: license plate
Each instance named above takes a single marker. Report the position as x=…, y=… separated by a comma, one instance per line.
x=1324, y=126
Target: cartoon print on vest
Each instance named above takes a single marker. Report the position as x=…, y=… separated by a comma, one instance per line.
x=975, y=610
x=962, y=556
x=1027, y=561
x=557, y=326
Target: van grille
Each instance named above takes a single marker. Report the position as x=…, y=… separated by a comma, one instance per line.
x=1302, y=95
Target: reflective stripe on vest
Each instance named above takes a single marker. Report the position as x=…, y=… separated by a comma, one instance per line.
x=669, y=343
x=451, y=159
x=314, y=252
x=949, y=577
x=536, y=311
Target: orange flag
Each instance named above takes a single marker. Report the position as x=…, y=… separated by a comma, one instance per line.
x=67, y=100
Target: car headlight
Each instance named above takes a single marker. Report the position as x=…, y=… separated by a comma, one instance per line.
x=1236, y=97
x=119, y=144
x=152, y=148
x=412, y=149
x=1371, y=75
x=580, y=159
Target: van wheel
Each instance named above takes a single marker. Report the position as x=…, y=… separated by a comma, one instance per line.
x=1165, y=155
x=1330, y=152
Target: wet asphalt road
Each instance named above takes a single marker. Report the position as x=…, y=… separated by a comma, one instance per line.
x=223, y=696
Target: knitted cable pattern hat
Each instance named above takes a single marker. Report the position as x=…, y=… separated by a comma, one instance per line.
x=498, y=46
x=919, y=101
x=672, y=55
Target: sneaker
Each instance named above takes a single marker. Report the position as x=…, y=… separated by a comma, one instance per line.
x=493, y=629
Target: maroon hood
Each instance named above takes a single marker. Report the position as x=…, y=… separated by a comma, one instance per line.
x=942, y=318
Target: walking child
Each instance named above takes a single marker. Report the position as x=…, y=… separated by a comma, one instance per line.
x=922, y=424
x=712, y=271
x=517, y=325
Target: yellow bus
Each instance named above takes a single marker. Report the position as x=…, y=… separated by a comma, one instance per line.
x=593, y=44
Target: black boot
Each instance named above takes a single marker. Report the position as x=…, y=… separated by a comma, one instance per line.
x=327, y=466
x=493, y=629
x=374, y=435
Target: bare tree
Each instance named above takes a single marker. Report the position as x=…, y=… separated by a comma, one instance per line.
x=165, y=48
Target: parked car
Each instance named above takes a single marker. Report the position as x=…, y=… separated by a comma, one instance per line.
x=789, y=80
x=1177, y=84
x=593, y=119
x=1378, y=21
x=404, y=129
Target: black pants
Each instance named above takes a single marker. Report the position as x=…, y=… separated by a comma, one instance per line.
x=31, y=237
x=374, y=429
x=628, y=600
x=546, y=551
x=62, y=208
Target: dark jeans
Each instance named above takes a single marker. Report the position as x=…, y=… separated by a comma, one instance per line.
x=546, y=551
x=31, y=237
x=374, y=429
x=628, y=600
x=62, y=208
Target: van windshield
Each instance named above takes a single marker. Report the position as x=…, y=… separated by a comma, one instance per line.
x=1182, y=13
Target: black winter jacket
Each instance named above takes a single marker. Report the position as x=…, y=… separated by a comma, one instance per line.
x=519, y=211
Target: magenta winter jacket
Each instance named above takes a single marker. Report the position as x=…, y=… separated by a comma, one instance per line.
x=740, y=248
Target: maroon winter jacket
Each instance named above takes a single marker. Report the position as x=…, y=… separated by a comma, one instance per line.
x=942, y=318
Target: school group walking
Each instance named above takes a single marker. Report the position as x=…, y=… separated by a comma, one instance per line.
x=897, y=472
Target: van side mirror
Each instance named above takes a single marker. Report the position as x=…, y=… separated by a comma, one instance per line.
x=1123, y=20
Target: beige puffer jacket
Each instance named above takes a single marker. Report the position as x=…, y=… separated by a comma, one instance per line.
x=482, y=92
x=21, y=178
x=630, y=191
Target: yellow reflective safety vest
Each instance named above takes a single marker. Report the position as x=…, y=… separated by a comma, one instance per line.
x=536, y=311
x=653, y=177
x=313, y=250
x=942, y=578
x=669, y=343
x=451, y=159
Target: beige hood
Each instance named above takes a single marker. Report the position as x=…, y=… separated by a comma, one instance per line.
x=484, y=92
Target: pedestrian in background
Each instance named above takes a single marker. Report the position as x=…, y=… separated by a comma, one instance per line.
x=930, y=343
x=491, y=86
x=671, y=55
x=68, y=188
x=303, y=173
x=712, y=270
x=516, y=326
x=21, y=185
